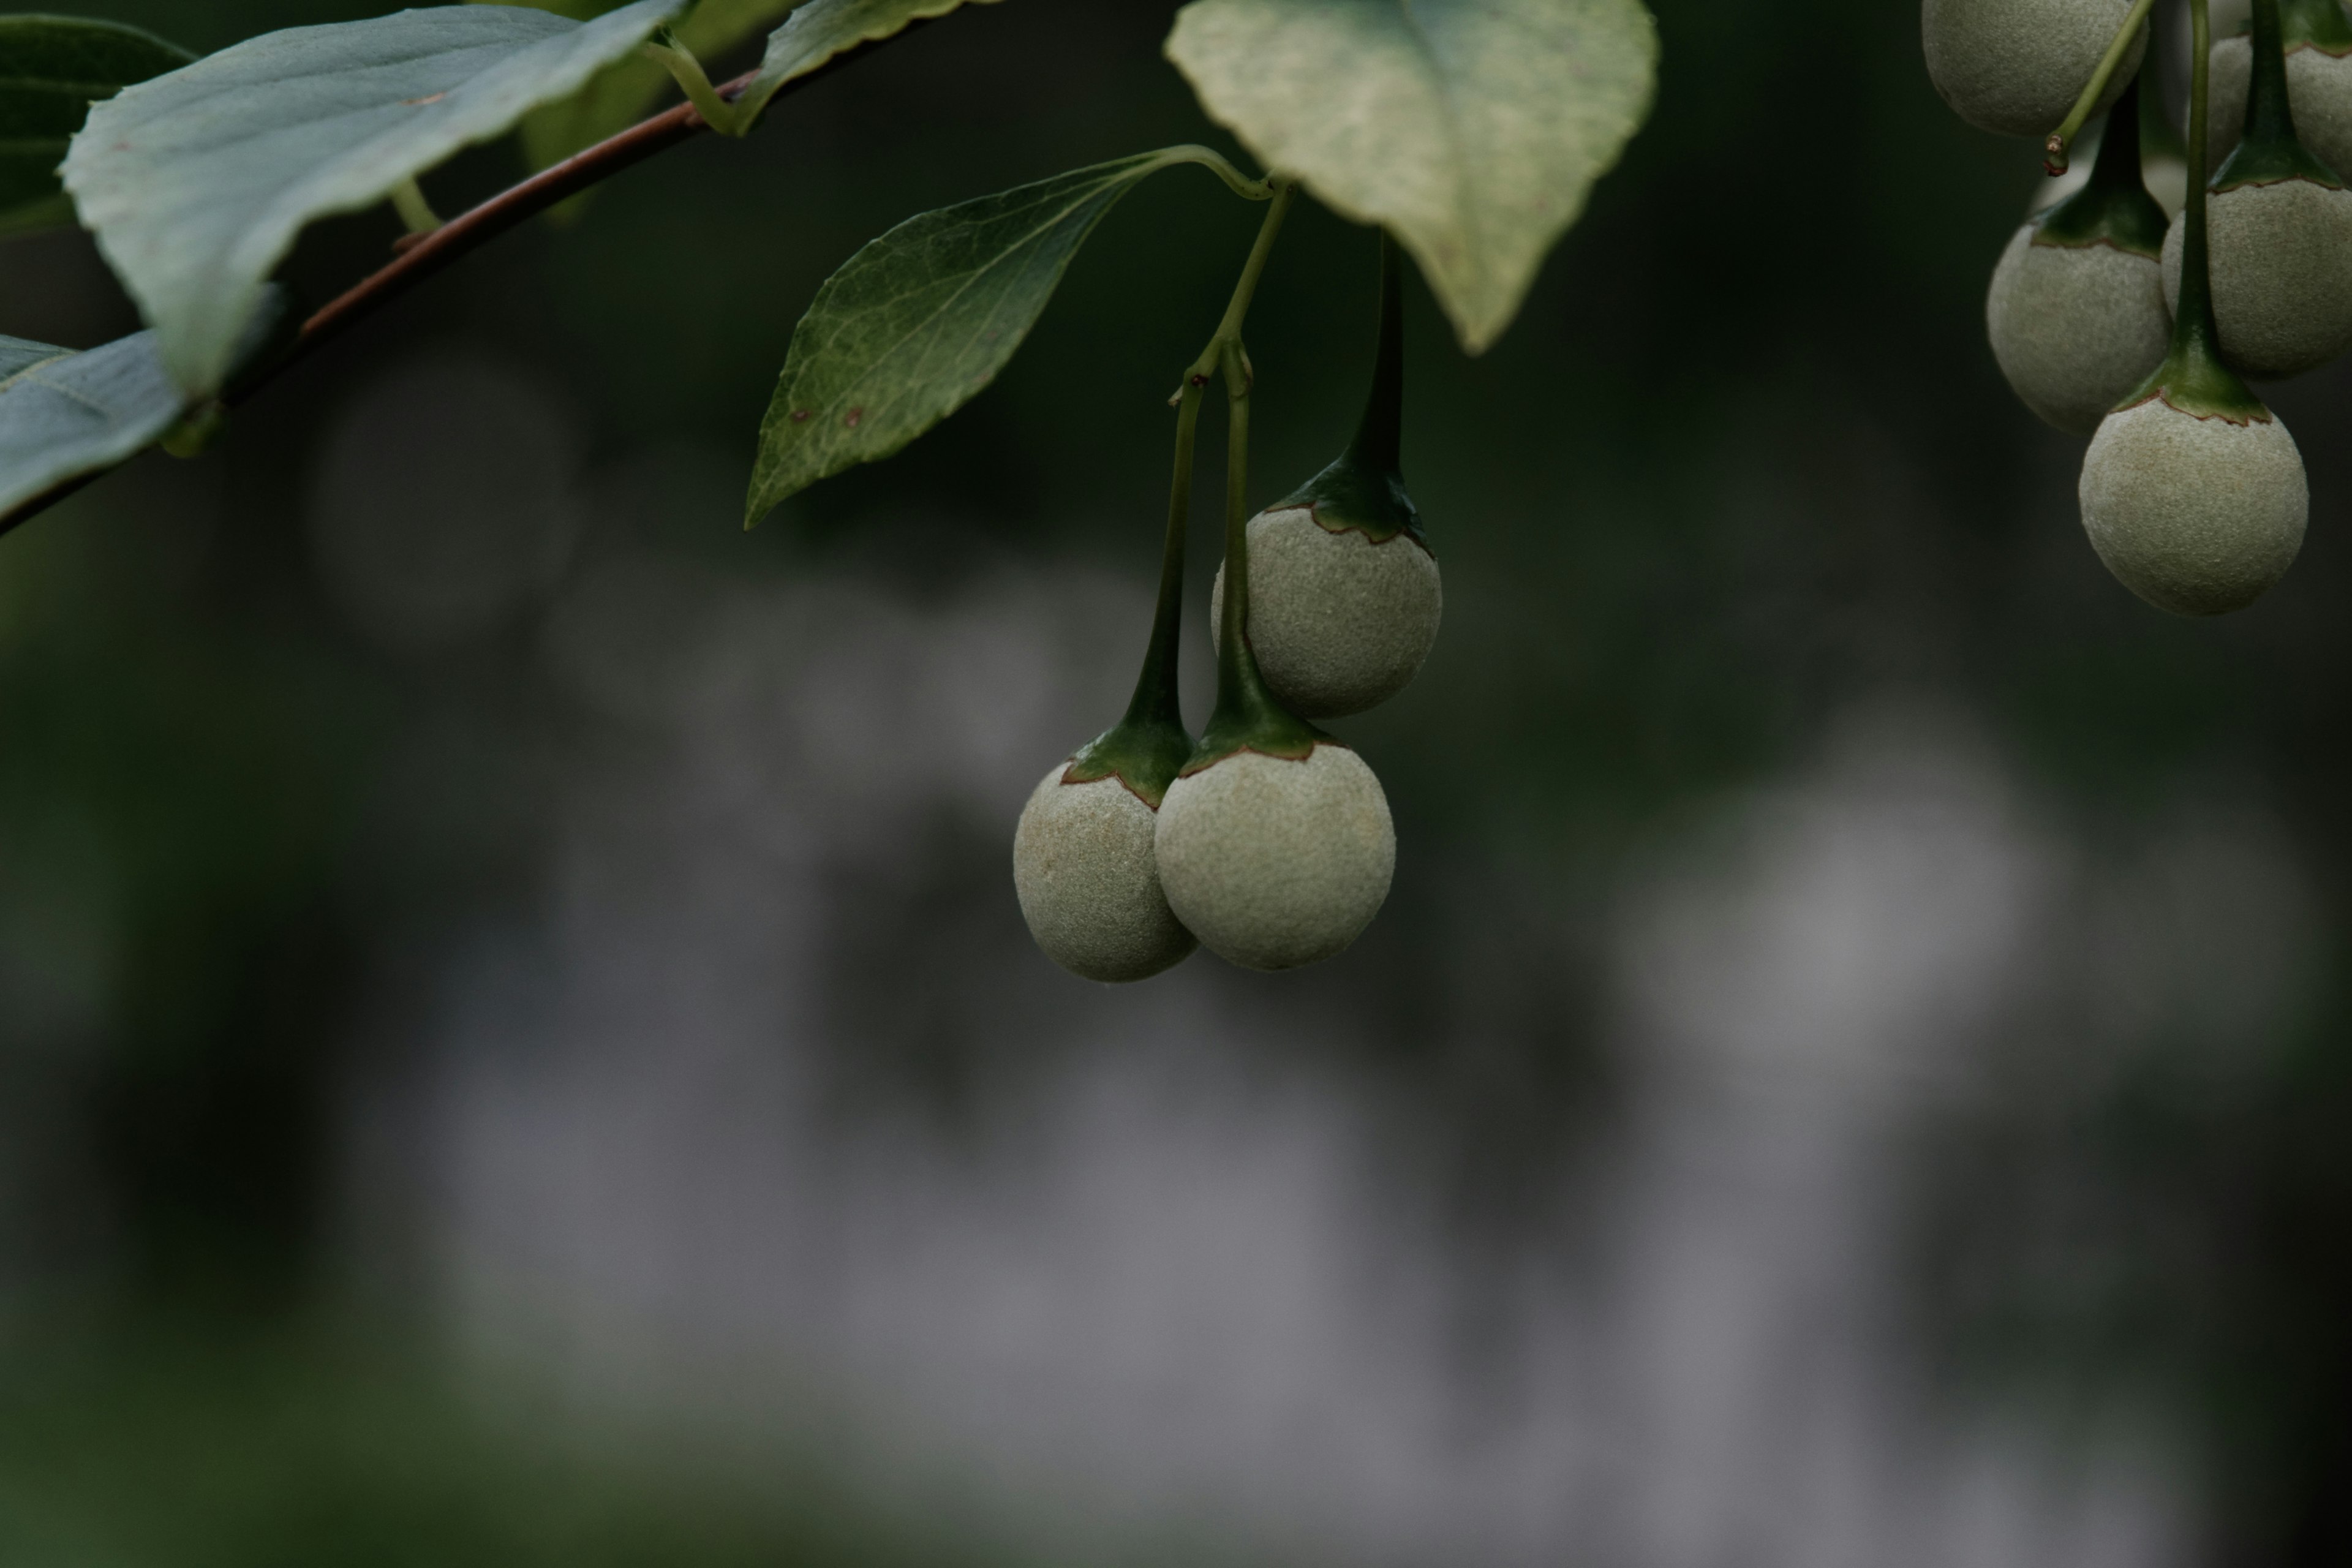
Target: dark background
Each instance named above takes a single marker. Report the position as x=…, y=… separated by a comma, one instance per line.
x=516, y=1045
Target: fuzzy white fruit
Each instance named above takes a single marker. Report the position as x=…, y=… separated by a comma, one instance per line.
x=2282, y=271
x=1339, y=623
x=1088, y=881
x=2318, y=90
x=2015, y=67
x=2197, y=516
x=1275, y=863
x=2075, y=328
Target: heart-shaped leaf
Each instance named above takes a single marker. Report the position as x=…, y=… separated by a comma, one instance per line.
x=65, y=415
x=1471, y=129
x=196, y=182
x=824, y=28
x=52, y=69
x=918, y=321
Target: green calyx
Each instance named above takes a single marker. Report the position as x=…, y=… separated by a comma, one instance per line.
x=2113, y=208
x=2318, y=24
x=1363, y=488
x=2192, y=377
x=2270, y=153
x=1349, y=494
x=2193, y=380
x=1247, y=718
x=1143, y=752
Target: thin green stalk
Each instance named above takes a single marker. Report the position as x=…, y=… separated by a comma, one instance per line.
x=1247, y=717
x=2193, y=332
x=1379, y=434
x=1155, y=700
x=2192, y=379
x=2269, y=116
x=2054, y=150
x=665, y=50
x=1229, y=328
x=408, y=201
x=1237, y=583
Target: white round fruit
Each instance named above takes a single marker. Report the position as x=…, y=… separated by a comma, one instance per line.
x=2318, y=90
x=2075, y=328
x=1275, y=863
x=1339, y=622
x=2197, y=516
x=2282, y=271
x=2015, y=67
x=1088, y=881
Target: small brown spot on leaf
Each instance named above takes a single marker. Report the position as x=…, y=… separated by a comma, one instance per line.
x=414, y=102
x=800, y=416
x=852, y=416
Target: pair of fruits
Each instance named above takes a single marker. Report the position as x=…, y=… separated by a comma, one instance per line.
x=2110, y=320
x=1267, y=840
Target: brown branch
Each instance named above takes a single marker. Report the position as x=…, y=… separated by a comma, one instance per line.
x=469, y=230
x=423, y=255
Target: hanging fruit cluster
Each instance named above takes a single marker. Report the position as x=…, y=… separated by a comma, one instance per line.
x=1267, y=840
x=2113, y=320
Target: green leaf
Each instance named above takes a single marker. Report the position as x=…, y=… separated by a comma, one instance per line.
x=824, y=28
x=916, y=323
x=65, y=415
x=51, y=70
x=1471, y=129
x=623, y=94
x=196, y=182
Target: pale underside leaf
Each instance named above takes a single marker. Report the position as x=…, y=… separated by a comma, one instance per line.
x=1471, y=129
x=821, y=29
x=65, y=415
x=51, y=70
x=920, y=320
x=196, y=182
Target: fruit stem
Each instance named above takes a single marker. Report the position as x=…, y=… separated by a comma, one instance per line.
x=1228, y=334
x=665, y=50
x=1247, y=716
x=2055, y=150
x=2193, y=332
x=2269, y=152
x=2192, y=377
x=1155, y=700
x=408, y=201
x=2269, y=116
x=1379, y=434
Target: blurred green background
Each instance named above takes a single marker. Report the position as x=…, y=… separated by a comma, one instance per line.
x=517, y=1045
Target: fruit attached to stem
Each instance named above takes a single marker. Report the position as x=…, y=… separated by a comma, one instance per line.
x=2076, y=313
x=1083, y=863
x=1274, y=842
x=2192, y=491
x=1345, y=595
x=2318, y=39
x=2280, y=230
